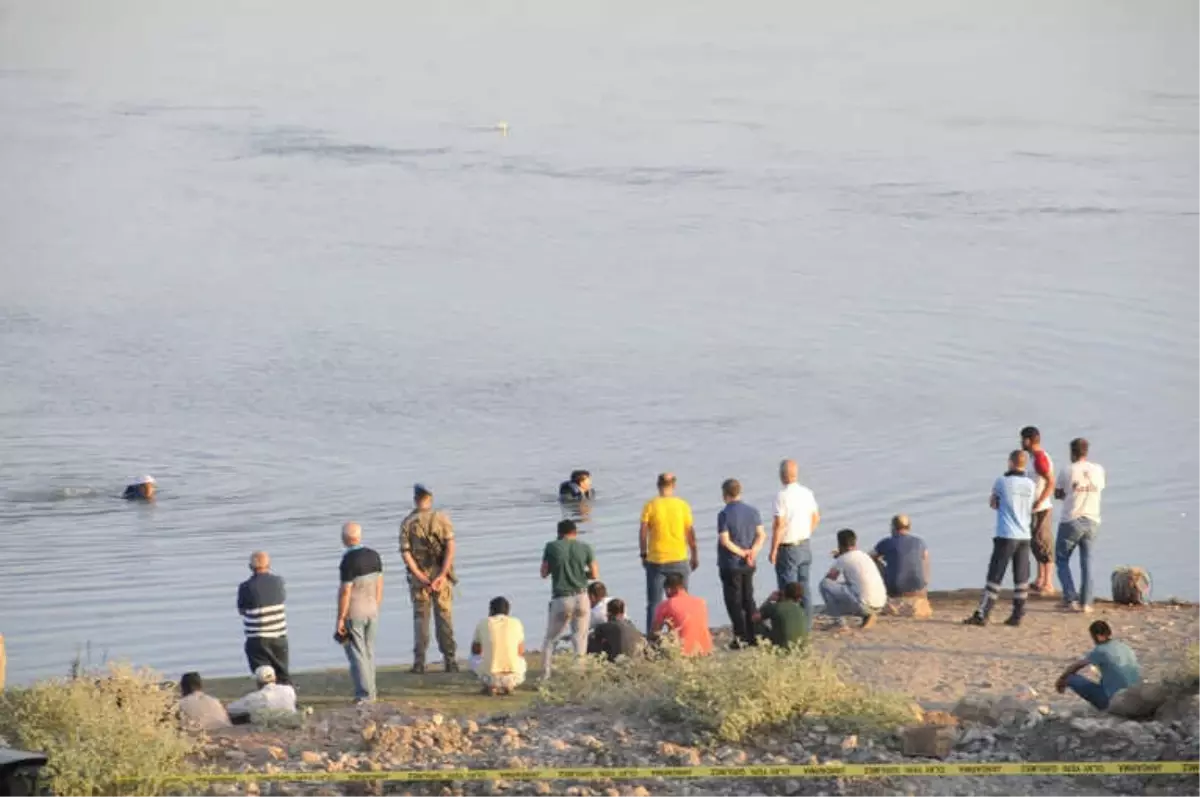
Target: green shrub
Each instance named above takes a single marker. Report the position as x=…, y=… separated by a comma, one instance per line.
x=729, y=696
x=98, y=730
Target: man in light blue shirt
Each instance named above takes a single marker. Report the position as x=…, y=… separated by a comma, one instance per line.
x=1117, y=663
x=1012, y=498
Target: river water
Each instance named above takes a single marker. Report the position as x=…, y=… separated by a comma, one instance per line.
x=284, y=257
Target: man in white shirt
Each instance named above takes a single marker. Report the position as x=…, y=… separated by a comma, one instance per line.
x=498, y=650
x=598, y=598
x=198, y=710
x=796, y=517
x=269, y=696
x=1079, y=488
x=862, y=593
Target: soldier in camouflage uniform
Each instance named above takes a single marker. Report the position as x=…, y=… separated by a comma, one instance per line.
x=427, y=545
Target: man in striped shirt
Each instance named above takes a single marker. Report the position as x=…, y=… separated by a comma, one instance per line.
x=260, y=603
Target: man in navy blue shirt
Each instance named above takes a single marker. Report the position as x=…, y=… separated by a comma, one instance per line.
x=905, y=560
x=740, y=537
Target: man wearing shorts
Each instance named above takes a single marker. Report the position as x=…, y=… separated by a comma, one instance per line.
x=1041, y=470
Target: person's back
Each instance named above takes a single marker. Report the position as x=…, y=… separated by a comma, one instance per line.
x=1118, y=665
x=569, y=561
x=687, y=616
x=1083, y=482
x=903, y=563
x=198, y=710
x=1014, y=511
x=862, y=575
x=501, y=637
x=787, y=622
x=616, y=636
x=668, y=517
x=270, y=696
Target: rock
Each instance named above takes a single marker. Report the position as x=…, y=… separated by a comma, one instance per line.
x=1139, y=701
x=311, y=757
x=940, y=718
x=850, y=742
x=559, y=745
x=929, y=741
x=1180, y=709
x=612, y=792
x=368, y=732
x=640, y=791
x=235, y=755
x=541, y=787
x=437, y=719
x=472, y=726
x=974, y=708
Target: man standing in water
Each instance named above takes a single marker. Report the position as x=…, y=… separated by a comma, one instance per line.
x=666, y=538
x=427, y=545
x=1042, y=533
x=796, y=518
x=1079, y=490
x=361, y=593
x=260, y=602
x=1012, y=498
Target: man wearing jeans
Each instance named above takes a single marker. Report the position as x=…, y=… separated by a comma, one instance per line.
x=665, y=540
x=861, y=593
x=740, y=537
x=1117, y=663
x=1079, y=488
x=568, y=563
x=358, y=609
x=796, y=517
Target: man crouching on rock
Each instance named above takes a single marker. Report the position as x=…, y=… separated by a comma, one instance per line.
x=1117, y=663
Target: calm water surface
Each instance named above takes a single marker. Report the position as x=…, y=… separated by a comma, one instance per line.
x=278, y=255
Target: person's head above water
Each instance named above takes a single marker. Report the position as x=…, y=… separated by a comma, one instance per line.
x=422, y=496
x=260, y=562
x=789, y=471
x=351, y=533
x=582, y=479
x=143, y=489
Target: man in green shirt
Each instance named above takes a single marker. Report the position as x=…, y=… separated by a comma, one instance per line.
x=784, y=616
x=568, y=563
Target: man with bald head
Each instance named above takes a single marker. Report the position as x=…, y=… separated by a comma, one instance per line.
x=260, y=602
x=359, y=597
x=796, y=517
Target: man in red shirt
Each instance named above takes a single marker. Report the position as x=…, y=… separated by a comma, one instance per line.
x=684, y=614
x=1042, y=473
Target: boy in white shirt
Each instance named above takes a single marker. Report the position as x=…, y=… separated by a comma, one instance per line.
x=1078, y=487
x=862, y=593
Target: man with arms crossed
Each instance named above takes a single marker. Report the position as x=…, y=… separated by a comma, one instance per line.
x=1042, y=472
x=568, y=563
x=361, y=592
x=1079, y=489
x=1012, y=498
x=796, y=517
x=666, y=538
x=740, y=537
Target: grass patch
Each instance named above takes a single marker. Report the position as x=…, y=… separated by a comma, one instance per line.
x=99, y=729
x=729, y=696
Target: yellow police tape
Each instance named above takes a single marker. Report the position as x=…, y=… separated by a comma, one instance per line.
x=674, y=773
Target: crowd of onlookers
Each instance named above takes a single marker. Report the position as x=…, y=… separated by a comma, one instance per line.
x=891, y=577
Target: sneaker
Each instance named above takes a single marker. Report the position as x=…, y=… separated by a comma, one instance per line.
x=418, y=668
x=1070, y=606
x=1013, y=620
x=451, y=665
x=1087, y=609
x=868, y=621
x=975, y=619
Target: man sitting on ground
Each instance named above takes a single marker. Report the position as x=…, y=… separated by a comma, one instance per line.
x=598, y=598
x=905, y=569
x=269, y=696
x=784, y=617
x=197, y=709
x=1117, y=663
x=498, y=650
x=577, y=488
x=862, y=594
x=616, y=636
x=685, y=615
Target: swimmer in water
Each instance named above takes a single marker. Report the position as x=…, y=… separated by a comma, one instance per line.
x=141, y=490
x=577, y=488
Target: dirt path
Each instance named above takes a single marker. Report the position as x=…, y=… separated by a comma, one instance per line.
x=939, y=660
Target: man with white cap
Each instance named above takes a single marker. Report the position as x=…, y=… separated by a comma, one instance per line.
x=141, y=490
x=270, y=696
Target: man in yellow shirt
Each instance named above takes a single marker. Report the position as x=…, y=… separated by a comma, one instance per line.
x=667, y=541
x=498, y=650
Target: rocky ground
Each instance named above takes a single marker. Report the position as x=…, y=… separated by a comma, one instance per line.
x=987, y=695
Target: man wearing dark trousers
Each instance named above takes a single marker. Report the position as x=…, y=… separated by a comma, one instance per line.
x=1012, y=497
x=260, y=603
x=740, y=536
